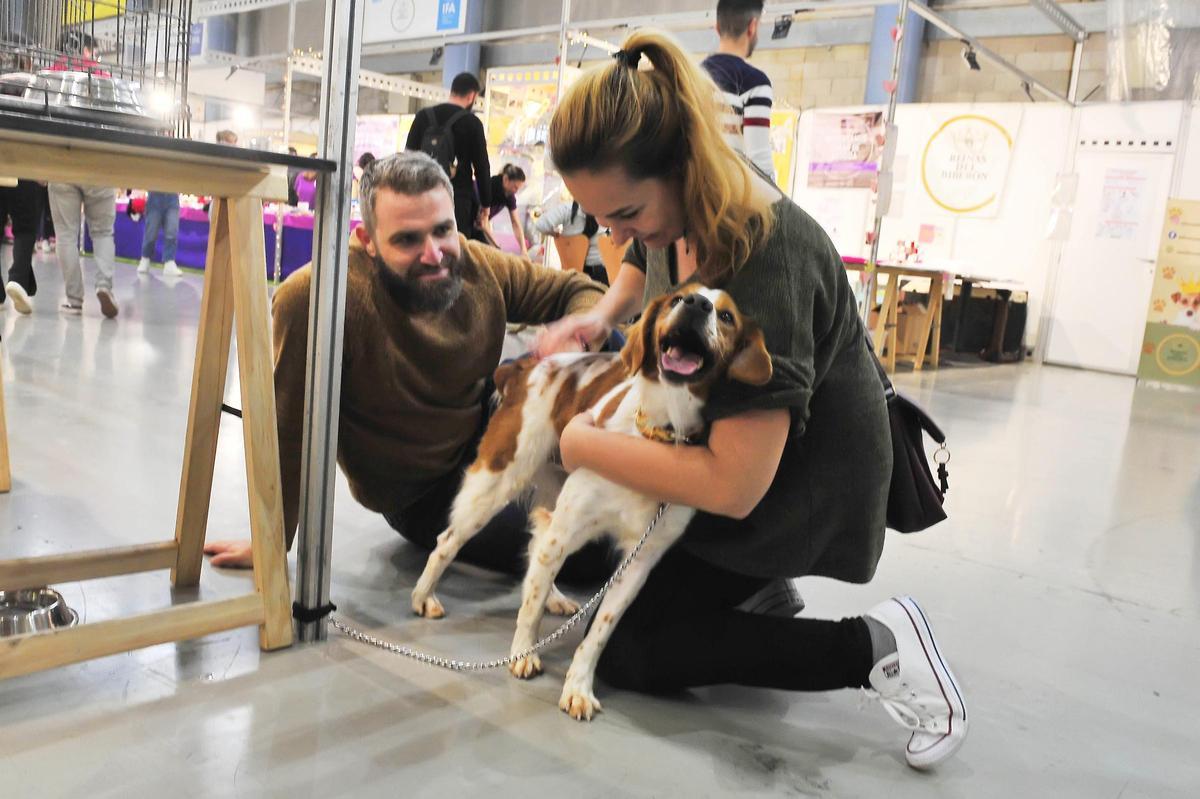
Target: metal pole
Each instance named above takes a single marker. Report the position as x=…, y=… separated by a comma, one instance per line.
x=886, y=168
x=327, y=310
x=563, y=44
x=1076, y=63
x=287, y=131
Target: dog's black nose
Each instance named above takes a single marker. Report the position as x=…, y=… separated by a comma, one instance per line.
x=699, y=301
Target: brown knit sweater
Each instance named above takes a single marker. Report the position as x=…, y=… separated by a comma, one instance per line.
x=412, y=385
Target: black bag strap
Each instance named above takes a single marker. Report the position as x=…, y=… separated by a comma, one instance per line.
x=457, y=115
x=890, y=393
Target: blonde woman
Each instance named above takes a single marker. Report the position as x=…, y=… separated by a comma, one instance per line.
x=794, y=476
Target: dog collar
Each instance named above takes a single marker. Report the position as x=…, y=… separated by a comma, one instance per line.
x=665, y=434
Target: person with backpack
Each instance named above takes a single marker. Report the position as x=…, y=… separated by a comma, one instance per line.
x=568, y=219
x=454, y=137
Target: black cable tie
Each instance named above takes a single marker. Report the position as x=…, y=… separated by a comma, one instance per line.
x=307, y=615
x=231, y=410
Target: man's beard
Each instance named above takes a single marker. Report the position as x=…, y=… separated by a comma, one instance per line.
x=418, y=296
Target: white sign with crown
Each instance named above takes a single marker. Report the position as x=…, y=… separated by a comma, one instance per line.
x=964, y=163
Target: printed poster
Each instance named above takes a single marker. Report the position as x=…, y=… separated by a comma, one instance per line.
x=378, y=134
x=964, y=164
x=1171, y=347
x=1121, y=200
x=846, y=150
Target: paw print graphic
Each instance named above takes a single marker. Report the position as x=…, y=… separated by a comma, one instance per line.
x=1159, y=306
x=1169, y=272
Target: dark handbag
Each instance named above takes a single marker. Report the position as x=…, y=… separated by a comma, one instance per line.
x=914, y=499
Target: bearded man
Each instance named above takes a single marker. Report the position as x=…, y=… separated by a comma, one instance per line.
x=425, y=321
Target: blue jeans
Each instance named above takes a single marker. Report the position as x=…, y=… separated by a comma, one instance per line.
x=162, y=211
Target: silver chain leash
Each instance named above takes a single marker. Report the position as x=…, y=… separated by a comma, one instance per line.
x=483, y=665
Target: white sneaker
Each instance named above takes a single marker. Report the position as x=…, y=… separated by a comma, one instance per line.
x=143, y=266
x=916, y=687
x=71, y=309
x=20, y=299
x=170, y=269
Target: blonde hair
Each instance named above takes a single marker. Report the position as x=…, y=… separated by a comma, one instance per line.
x=665, y=123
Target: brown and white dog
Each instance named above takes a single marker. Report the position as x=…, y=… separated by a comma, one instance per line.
x=684, y=344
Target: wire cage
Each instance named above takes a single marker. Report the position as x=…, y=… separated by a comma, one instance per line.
x=120, y=63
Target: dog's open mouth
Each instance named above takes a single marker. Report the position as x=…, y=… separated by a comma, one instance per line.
x=683, y=353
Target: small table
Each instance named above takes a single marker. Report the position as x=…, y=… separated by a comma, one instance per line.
x=235, y=289
x=884, y=337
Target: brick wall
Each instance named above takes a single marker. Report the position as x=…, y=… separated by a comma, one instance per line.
x=810, y=77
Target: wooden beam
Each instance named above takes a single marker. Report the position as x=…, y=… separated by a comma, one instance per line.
x=259, y=428
x=208, y=392
x=44, y=570
x=24, y=654
x=73, y=163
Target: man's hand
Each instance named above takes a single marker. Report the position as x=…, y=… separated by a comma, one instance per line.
x=230, y=554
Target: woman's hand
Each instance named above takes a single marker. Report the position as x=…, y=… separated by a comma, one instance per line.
x=572, y=437
x=571, y=334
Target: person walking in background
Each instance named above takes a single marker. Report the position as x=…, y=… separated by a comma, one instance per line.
x=20, y=204
x=504, y=190
x=227, y=137
x=45, y=225
x=568, y=219
x=162, y=213
x=99, y=207
x=746, y=89
x=463, y=154
x=306, y=187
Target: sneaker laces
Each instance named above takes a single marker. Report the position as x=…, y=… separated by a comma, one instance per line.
x=903, y=713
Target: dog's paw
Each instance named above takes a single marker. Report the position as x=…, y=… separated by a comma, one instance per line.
x=559, y=604
x=429, y=607
x=579, y=702
x=526, y=668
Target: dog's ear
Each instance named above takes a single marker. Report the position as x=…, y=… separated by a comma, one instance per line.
x=640, y=350
x=507, y=371
x=752, y=364
x=1177, y=296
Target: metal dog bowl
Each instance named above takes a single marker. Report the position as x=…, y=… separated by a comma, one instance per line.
x=34, y=610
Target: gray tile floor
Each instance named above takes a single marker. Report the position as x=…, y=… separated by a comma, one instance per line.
x=1065, y=589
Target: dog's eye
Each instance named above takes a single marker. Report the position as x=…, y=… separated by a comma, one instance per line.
x=675, y=301
x=726, y=317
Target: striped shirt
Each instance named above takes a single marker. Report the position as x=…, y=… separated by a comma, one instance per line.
x=747, y=92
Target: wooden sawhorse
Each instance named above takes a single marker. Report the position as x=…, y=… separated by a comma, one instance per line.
x=234, y=291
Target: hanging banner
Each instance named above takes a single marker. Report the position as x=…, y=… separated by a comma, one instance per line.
x=396, y=20
x=845, y=150
x=783, y=147
x=964, y=164
x=1171, y=348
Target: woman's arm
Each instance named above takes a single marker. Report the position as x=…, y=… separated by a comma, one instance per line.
x=518, y=231
x=620, y=302
x=729, y=477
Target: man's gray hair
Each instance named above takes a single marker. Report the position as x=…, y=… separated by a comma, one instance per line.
x=410, y=173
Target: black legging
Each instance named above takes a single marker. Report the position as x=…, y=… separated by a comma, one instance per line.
x=682, y=631
x=20, y=203
x=502, y=545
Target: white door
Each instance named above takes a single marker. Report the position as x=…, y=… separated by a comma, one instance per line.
x=1124, y=164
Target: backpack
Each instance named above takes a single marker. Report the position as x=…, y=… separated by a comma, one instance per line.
x=590, y=225
x=438, y=142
